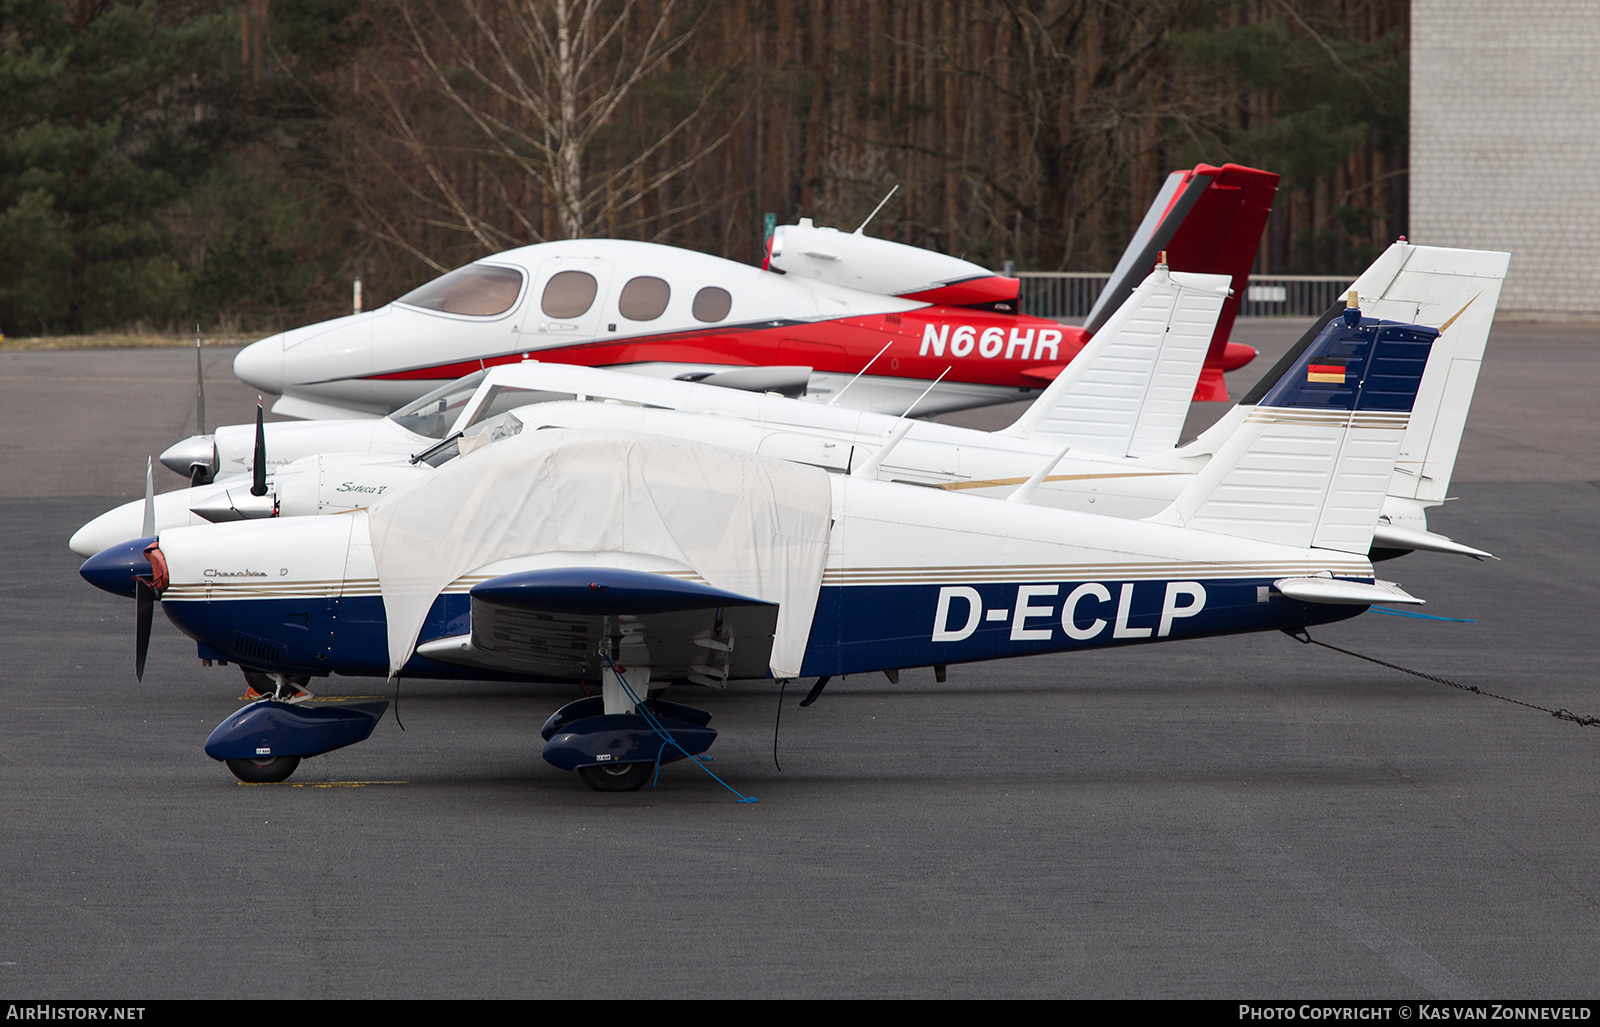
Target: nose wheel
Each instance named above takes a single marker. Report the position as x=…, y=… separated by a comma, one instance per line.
x=616, y=777
x=270, y=770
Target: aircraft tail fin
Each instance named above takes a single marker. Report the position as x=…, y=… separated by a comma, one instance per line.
x=1310, y=464
x=1455, y=291
x=1209, y=220
x=1127, y=393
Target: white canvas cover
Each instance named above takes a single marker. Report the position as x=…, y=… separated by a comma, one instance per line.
x=745, y=523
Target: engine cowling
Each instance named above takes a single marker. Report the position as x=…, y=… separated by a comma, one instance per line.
x=857, y=261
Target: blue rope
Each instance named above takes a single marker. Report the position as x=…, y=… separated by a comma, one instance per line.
x=667, y=739
x=1421, y=616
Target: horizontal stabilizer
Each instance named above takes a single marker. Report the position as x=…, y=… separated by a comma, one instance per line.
x=1393, y=536
x=1340, y=592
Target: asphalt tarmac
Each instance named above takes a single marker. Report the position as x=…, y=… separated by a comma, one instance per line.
x=1241, y=817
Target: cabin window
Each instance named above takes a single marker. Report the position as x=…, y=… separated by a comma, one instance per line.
x=712, y=304
x=568, y=294
x=644, y=299
x=479, y=290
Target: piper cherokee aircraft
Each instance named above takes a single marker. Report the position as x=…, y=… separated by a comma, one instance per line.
x=1102, y=434
x=826, y=305
x=641, y=562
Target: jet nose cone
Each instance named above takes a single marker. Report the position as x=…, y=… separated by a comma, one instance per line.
x=114, y=568
x=260, y=364
x=108, y=529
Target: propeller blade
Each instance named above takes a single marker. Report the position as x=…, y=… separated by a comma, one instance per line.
x=199, y=388
x=258, y=486
x=144, y=598
x=149, y=499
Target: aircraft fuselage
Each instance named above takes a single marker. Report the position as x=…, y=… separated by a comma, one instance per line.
x=665, y=312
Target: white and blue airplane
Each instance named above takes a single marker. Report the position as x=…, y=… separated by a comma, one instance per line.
x=1104, y=431
x=641, y=562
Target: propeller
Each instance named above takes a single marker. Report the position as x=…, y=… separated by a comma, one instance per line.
x=144, y=593
x=137, y=569
x=144, y=613
x=258, y=472
x=199, y=474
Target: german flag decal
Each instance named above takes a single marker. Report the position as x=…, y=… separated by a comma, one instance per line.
x=1328, y=372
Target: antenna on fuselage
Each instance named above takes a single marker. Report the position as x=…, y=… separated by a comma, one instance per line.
x=861, y=372
x=1025, y=490
x=902, y=427
x=876, y=209
x=925, y=392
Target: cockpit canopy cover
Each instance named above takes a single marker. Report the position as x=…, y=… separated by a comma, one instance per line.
x=747, y=524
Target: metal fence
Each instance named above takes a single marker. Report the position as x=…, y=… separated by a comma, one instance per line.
x=1071, y=294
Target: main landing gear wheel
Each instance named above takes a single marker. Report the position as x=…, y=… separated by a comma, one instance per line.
x=267, y=771
x=615, y=777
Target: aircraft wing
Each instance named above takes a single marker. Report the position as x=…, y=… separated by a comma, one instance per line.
x=678, y=513
x=558, y=622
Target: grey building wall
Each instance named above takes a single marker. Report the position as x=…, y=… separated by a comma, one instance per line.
x=1505, y=141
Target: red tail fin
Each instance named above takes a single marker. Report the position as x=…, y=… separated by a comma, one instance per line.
x=1221, y=235
x=1208, y=220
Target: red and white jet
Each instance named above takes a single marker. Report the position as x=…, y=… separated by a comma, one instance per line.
x=826, y=306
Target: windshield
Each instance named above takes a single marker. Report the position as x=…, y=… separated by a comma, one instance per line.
x=481, y=290
x=433, y=414
x=508, y=397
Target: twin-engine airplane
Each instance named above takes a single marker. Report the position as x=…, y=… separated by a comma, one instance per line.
x=825, y=305
x=1101, y=438
x=641, y=562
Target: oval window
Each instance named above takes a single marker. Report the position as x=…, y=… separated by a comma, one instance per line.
x=643, y=299
x=712, y=304
x=477, y=289
x=568, y=294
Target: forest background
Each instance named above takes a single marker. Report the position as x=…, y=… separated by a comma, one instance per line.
x=237, y=163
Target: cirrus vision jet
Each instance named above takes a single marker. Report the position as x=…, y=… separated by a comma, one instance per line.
x=824, y=306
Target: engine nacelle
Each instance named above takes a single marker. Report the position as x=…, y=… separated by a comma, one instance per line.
x=857, y=261
x=341, y=482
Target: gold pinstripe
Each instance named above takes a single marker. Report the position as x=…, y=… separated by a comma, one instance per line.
x=329, y=588
x=1329, y=418
x=1089, y=572
x=992, y=482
